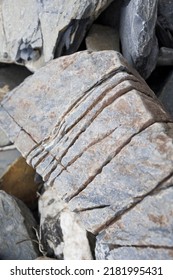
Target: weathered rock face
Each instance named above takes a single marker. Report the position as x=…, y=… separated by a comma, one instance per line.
x=44, y=29
x=139, y=233
x=99, y=137
x=137, y=33
x=16, y=230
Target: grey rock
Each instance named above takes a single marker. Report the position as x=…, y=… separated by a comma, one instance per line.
x=62, y=234
x=95, y=132
x=7, y=156
x=142, y=232
x=137, y=34
x=165, y=23
x=101, y=38
x=16, y=231
x=4, y=141
x=27, y=38
x=165, y=12
x=165, y=57
x=166, y=94
x=133, y=253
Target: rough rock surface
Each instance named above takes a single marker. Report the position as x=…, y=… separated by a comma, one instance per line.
x=61, y=230
x=16, y=230
x=137, y=33
x=145, y=231
x=97, y=134
x=27, y=38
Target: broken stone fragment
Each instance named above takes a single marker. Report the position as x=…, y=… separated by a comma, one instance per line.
x=137, y=34
x=17, y=236
x=27, y=38
x=62, y=234
x=97, y=135
x=101, y=38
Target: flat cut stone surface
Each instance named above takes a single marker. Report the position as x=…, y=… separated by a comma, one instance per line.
x=97, y=135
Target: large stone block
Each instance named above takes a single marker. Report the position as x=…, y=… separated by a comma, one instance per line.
x=98, y=136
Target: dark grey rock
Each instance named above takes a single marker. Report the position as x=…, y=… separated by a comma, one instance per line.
x=165, y=23
x=16, y=230
x=165, y=57
x=137, y=34
x=111, y=16
x=166, y=94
